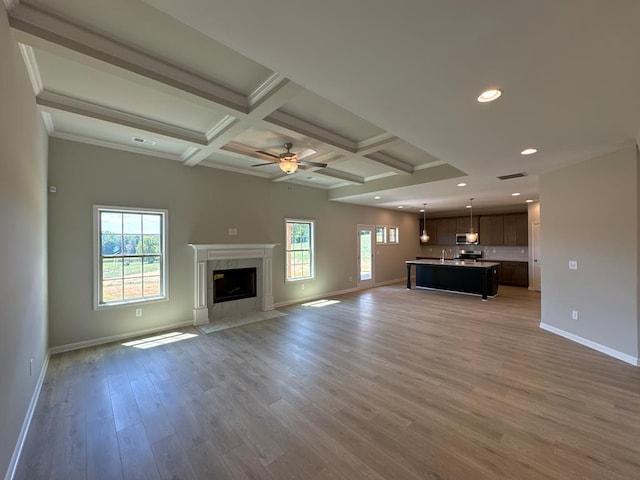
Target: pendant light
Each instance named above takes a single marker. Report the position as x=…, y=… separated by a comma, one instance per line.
x=424, y=238
x=472, y=237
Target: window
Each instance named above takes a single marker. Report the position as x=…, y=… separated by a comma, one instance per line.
x=300, y=250
x=130, y=255
x=381, y=234
x=393, y=235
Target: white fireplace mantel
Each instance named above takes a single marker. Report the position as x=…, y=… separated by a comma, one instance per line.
x=228, y=251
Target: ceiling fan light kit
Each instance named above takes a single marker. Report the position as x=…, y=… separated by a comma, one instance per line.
x=289, y=162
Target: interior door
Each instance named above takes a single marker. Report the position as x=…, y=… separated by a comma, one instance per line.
x=366, y=246
x=536, y=280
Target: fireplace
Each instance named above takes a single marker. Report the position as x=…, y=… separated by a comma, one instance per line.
x=234, y=284
x=212, y=257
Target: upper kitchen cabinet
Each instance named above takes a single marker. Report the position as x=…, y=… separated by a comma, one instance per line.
x=491, y=230
x=462, y=224
x=516, y=229
x=446, y=231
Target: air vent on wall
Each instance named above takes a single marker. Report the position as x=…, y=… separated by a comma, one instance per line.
x=513, y=175
x=143, y=141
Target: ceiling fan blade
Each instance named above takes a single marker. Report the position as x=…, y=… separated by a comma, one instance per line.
x=312, y=164
x=268, y=154
x=263, y=164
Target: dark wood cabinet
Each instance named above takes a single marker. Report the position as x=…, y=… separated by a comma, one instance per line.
x=491, y=230
x=516, y=232
x=514, y=273
x=446, y=231
x=462, y=224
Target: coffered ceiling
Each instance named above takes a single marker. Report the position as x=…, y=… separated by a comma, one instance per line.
x=384, y=93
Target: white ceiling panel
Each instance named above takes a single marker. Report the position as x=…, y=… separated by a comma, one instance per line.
x=88, y=129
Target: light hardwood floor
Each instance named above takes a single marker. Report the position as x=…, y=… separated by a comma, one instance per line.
x=386, y=384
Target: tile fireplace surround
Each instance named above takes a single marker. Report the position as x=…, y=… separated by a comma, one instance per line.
x=212, y=252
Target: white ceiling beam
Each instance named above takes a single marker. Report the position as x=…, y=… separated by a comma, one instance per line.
x=308, y=129
x=270, y=95
x=374, y=144
x=349, y=177
x=42, y=24
x=64, y=103
x=341, y=144
x=390, y=162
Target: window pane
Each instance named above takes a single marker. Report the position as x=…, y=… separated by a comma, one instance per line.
x=151, y=286
x=111, y=244
x=151, y=224
x=132, y=287
x=111, y=268
x=133, y=267
x=132, y=223
x=150, y=244
x=112, y=290
x=151, y=266
x=132, y=243
x=110, y=222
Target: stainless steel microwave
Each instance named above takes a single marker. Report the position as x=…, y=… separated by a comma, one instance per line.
x=461, y=239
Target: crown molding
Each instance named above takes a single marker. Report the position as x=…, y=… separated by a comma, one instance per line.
x=33, y=71
x=48, y=122
x=220, y=127
x=265, y=88
x=65, y=103
x=11, y=4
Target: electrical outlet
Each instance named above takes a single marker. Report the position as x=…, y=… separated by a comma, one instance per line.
x=351, y=279
x=302, y=287
x=574, y=315
x=138, y=312
x=573, y=264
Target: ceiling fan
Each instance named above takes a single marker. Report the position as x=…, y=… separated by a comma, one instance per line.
x=287, y=161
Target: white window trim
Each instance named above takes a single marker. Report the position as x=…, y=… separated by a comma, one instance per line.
x=384, y=242
x=96, y=257
x=397, y=229
x=312, y=249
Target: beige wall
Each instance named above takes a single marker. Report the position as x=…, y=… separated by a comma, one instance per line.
x=23, y=262
x=590, y=214
x=203, y=204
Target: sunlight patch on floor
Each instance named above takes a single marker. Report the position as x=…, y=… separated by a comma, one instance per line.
x=158, y=340
x=320, y=303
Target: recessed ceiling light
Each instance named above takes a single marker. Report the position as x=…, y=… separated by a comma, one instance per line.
x=400, y=206
x=489, y=95
x=461, y=184
x=468, y=206
x=529, y=201
x=515, y=194
x=528, y=151
x=377, y=198
x=421, y=210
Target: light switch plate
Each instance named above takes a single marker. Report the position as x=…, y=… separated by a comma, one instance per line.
x=573, y=264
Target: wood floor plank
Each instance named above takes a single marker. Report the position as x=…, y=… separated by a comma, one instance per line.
x=385, y=384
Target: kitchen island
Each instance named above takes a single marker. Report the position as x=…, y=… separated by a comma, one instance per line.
x=479, y=278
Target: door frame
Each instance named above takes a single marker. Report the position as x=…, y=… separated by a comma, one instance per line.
x=362, y=284
x=536, y=273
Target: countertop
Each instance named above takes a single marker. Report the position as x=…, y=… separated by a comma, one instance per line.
x=453, y=263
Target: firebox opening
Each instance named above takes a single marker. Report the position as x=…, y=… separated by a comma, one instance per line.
x=234, y=284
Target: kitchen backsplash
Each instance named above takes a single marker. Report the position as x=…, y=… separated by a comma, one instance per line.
x=517, y=254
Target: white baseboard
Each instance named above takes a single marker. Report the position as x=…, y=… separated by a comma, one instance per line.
x=314, y=297
x=594, y=345
x=115, y=338
x=27, y=420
